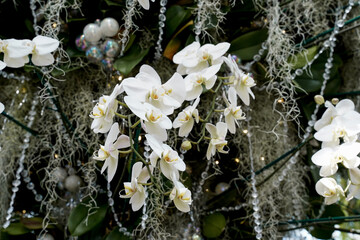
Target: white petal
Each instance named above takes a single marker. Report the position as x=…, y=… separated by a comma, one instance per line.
x=331, y=200
x=328, y=170
x=186, y=128
x=167, y=169
x=137, y=200
x=180, y=165
x=136, y=107
x=232, y=96
x=122, y=142
x=136, y=170
x=210, y=151
x=194, y=92
x=220, y=49
x=355, y=175
x=182, y=206
x=156, y=130
x=352, y=162
x=144, y=176
x=155, y=144
x=2, y=107
x=112, y=136
x=177, y=84
x=152, y=76
x=18, y=48
x=230, y=122
x=243, y=93
x=145, y=4
x=325, y=134
x=354, y=191
x=45, y=45
x=111, y=165
x=2, y=65
x=15, y=62
x=212, y=130
x=210, y=82
x=153, y=158
x=137, y=88
x=221, y=129
x=344, y=106
x=322, y=157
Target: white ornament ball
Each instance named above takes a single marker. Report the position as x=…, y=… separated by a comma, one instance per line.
x=109, y=27
x=72, y=183
x=46, y=236
x=92, y=33
x=60, y=174
x=221, y=187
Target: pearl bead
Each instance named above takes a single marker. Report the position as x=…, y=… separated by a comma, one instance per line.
x=60, y=174
x=109, y=27
x=92, y=33
x=72, y=183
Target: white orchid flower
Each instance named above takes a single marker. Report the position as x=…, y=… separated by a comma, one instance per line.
x=181, y=196
x=328, y=188
x=354, y=189
x=2, y=107
x=147, y=87
x=328, y=158
x=2, y=65
x=134, y=189
x=218, y=135
x=185, y=120
x=170, y=162
x=145, y=3
x=194, y=59
x=104, y=111
x=343, y=107
x=240, y=81
x=155, y=121
x=346, y=127
x=110, y=151
x=194, y=82
x=16, y=52
x=232, y=112
x=42, y=49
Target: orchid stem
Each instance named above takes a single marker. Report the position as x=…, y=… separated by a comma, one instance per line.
x=122, y=104
x=135, y=124
x=219, y=110
x=125, y=152
x=120, y=115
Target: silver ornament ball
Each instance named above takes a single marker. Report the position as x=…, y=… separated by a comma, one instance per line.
x=73, y=183
x=109, y=27
x=110, y=48
x=92, y=33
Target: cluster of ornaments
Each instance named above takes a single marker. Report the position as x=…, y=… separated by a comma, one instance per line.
x=97, y=42
x=338, y=130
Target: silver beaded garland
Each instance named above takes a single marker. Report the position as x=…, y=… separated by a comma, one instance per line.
x=162, y=19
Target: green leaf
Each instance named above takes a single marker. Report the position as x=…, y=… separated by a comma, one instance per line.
x=126, y=63
x=302, y=58
x=213, y=225
x=320, y=233
x=116, y=235
x=113, y=3
x=248, y=44
x=16, y=229
x=32, y=223
x=79, y=222
x=312, y=82
x=175, y=17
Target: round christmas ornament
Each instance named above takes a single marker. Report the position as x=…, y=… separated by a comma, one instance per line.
x=92, y=33
x=107, y=63
x=110, y=48
x=109, y=27
x=60, y=174
x=72, y=183
x=81, y=43
x=94, y=54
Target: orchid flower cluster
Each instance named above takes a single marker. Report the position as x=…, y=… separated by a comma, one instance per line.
x=158, y=108
x=16, y=52
x=338, y=130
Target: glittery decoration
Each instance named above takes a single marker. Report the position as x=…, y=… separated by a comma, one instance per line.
x=94, y=54
x=81, y=43
x=107, y=63
x=110, y=48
